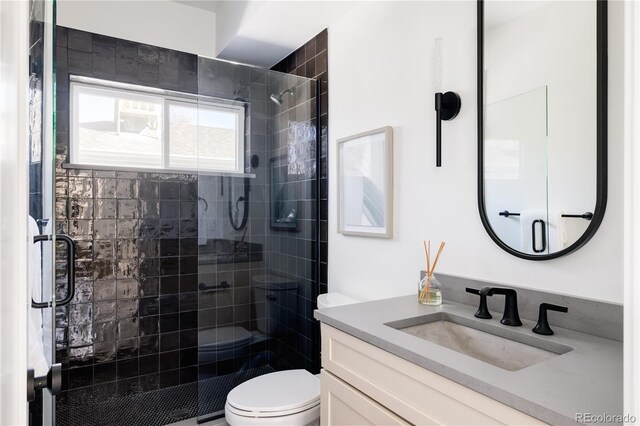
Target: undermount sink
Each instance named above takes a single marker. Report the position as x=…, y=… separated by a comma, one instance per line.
x=495, y=345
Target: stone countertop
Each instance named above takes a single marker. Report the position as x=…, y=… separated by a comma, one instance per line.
x=587, y=379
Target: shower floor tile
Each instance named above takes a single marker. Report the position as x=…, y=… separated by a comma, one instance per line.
x=158, y=407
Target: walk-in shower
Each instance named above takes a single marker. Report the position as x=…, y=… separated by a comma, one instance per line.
x=166, y=166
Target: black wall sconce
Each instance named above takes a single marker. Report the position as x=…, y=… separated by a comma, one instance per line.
x=447, y=108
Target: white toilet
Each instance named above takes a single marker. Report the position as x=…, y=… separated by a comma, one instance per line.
x=290, y=397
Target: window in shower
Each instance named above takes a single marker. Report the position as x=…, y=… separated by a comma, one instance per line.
x=114, y=128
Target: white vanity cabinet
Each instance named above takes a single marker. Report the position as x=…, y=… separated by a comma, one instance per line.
x=363, y=384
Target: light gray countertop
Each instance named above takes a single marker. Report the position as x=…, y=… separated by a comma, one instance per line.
x=587, y=379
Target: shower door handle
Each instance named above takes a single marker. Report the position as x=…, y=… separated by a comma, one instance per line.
x=71, y=270
x=52, y=381
x=543, y=233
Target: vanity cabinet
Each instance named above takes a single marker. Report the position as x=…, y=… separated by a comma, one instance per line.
x=363, y=384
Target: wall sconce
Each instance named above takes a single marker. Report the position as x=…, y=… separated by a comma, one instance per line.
x=447, y=108
x=447, y=104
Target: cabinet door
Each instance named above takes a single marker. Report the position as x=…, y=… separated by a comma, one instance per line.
x=342, y=405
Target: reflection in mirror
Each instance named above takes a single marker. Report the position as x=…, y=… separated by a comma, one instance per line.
x=540, y=76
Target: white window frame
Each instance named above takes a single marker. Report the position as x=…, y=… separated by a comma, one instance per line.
x=167, y=99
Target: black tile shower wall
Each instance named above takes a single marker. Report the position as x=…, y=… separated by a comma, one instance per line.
x=133, y=324
x=295, y=253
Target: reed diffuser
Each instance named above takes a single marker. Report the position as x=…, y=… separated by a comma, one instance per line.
x=429, y=288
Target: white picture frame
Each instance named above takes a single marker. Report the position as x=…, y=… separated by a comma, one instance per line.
x=365, y=184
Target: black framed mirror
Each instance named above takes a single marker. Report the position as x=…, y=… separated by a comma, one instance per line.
x=542, y=124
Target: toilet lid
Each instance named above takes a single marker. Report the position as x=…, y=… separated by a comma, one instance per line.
x=283, y=391
x=219, y=338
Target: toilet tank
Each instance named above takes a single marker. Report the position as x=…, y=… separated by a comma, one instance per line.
x=276, y=302
x=332, y=299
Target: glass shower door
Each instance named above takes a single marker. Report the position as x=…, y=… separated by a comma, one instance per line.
x=256, y=224
x=47, y=266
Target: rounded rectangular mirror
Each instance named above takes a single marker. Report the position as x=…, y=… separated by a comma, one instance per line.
x=542, y=154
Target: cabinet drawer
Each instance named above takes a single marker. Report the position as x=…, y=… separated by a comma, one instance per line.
x=410, y=391
x=342, y=405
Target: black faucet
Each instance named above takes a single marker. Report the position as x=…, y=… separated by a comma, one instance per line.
x=510, y=316
x=542, y=327
x=483, y=311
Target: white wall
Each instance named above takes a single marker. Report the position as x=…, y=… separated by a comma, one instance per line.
x=14, y=187
x=381, y=73
x=158, y=22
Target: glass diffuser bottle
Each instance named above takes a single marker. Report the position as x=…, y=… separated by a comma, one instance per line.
x=430, y=291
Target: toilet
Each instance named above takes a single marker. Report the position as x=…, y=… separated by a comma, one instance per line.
x=275, y=316
x=290, y=397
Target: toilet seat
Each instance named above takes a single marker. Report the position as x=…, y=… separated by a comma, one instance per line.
x=223, y=338
x=276, y=394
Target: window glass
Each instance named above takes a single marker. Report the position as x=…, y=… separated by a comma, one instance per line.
x=115, y=130
x=121, y=128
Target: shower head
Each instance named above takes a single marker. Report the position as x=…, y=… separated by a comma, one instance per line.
x=277, y=98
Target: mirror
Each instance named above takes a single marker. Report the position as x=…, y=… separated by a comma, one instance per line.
x=542, y=166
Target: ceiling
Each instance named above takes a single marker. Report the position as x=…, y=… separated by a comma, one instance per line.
x=262, y=33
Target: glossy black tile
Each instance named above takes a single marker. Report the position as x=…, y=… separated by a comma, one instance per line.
x=188, y=265
x=104, y=351
x=80, y=377
x=188, y=302
x=188, y=246
x=169, y=342
x=149, y=344
x=188, y=338
x=104, y=372
x=148, y=54
x=170, y=190
x=169, y=266
x=169, y=323
x=169, y=378
x=127, y=368
x=189, y=319
x=149, y=325
x=189, y=191
x=169, y=247
x=148, y=248
x=128, y=328
x=169, y=360
x=148, y=190
x=169, y=209
x=128, y=347
x=169, y=304
x=188, y=283
x=149, y=364
x=169, y=228
x=188, y=357
x=149, y=268
x=149, y=286
x=169, y=285
x=148, y=306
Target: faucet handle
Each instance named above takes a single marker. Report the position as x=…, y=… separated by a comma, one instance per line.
x=542, y=327
x=483, y=311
